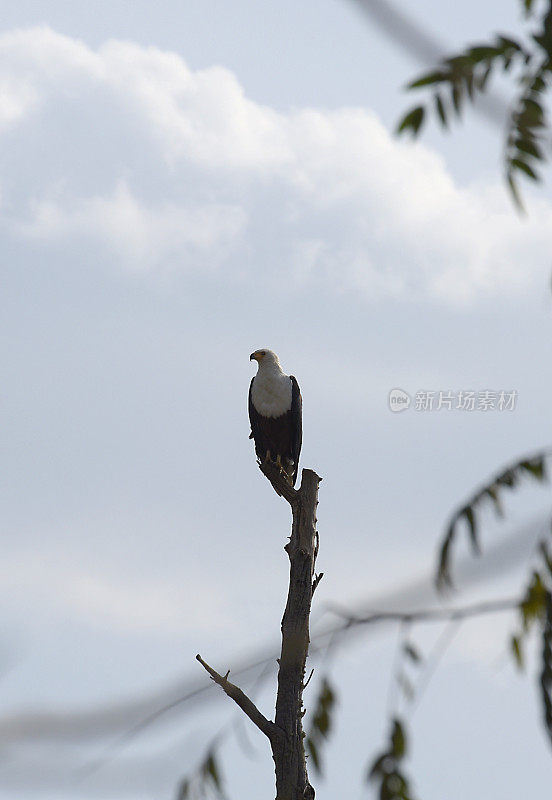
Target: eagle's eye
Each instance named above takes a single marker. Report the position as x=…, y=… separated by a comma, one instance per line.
x=263, y=353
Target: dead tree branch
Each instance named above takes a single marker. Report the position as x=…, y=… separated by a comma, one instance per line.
x=425, y=614
x=242, y=700
x=279, y=483
x=291, y=772
x=286, y=732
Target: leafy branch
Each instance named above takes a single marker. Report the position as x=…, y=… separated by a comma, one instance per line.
x=462, y=78
x=532, y=467
x=387, y=767
x=205, y=781
x=321, y=723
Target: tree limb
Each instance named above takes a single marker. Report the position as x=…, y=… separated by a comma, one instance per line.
x=279, y=483
x=242, y=700
x=292, y=781
x=286, y=732
x=425, y=614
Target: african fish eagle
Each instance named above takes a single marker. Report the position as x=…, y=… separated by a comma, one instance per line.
x=275, y=414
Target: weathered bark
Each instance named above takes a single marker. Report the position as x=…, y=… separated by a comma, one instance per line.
x=288, y=751
x=286, y=732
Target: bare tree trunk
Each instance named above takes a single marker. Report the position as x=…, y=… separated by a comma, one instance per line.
x=286, y=732
x=288, y=752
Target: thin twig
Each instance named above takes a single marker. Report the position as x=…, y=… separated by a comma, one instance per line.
x=308, y=679
x=432, y=662
x=428, y=615
x=317, y=579
x=393, y=698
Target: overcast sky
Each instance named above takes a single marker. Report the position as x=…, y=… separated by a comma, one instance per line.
x=184, y=183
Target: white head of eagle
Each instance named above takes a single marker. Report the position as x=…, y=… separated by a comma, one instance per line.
x=275, y=413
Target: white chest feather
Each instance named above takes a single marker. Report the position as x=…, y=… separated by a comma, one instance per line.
x=271, y=393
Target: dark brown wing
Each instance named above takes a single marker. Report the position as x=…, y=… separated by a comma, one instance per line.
x=256, y=432
x=296, y=425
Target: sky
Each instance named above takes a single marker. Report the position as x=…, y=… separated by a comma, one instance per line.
x=179, y=186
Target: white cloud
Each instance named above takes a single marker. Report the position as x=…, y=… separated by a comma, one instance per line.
x=16, y=98
x=158, y=164
x=141, y=235
x=202, y=116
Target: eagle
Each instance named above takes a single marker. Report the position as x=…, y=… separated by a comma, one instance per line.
x=275, y=414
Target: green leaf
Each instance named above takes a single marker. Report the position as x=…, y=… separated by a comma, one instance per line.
x=538, y=84
x=411, y=652
x=386, y=767
x=443, y=578
x=412, y=121
x=469, y=80
x=527, y=4
x=469, y=514
x=312, y=750
x=507, y=478
x=543, y=547
x=526, y=121
x=535, y=467
x=321, y=722
x=456, y=95
x=507, y=43
x=398, y=741
x=533, y=605
x=385, y=791
x=531, y=110
x=210, y=770
x=327, y=694
x=380, y=766
x=515, y=646
x=514, y=191
x=441, y=110
x=459, y=64
x=492, y=492
x=483, y=52
x=544, y=40
x=427, y=79
x=395, y=786
x=481, y=79
x=524, y=167
x=546, y=671
x=529, y=147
